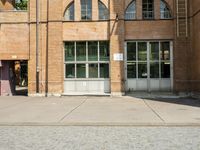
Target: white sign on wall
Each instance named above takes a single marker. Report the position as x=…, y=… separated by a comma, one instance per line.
x=118, y=57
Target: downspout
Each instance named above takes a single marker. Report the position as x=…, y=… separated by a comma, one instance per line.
x=37, y=46
x=47, y=50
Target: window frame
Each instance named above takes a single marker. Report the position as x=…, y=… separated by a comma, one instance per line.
x=87, y=62
x=168, y=60
x=147, y=12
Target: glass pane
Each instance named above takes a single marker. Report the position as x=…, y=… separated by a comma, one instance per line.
x=69, y=14
x=165, y=70
x=142, y=51
x=142, y=70
x=131, y=70
x=81, y=71
x=154, y=70
x=148, y=9
x=93, y=70
x=93, y=51
x=69, y=51
x=70, y=71
x=104, y=51
x=131, y=51
x=154, y=51
x=81, y=51
x=164, y=10
x=165, y=51
x=86, y=9
x=103, y=11
x=104, y=70
x=131, y=11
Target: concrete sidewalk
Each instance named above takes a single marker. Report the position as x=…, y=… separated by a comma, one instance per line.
x=85, y=110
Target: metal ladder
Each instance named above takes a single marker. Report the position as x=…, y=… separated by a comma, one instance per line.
x=182, y=18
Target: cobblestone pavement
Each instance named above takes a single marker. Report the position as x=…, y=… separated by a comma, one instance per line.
x=99, y=138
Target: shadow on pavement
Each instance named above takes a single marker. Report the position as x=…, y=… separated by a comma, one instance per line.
x=182, y=101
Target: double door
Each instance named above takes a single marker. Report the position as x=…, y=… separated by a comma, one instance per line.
x=148, y=66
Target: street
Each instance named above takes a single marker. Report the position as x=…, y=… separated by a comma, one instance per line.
x=99, y=138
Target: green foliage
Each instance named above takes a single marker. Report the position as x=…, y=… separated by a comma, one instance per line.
x=22, y=5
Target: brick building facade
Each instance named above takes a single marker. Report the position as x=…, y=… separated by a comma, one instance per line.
x=100, y=47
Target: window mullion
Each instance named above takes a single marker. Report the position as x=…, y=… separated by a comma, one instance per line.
x=98, y=49
x=75, y=60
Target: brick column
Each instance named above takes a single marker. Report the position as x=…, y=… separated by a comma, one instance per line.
x=55, y=48
x=117, y=46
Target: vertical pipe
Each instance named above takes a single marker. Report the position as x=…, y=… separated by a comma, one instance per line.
x=47, y=49
x=37, y=46
x=177, y=17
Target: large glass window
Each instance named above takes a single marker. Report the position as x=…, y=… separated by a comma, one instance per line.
x=69, y=13
x=148, y=59
x=130, y=13
x=148, y=9
x=86, y=9
x=103, y=11
x=87, y=59
x=164, y=10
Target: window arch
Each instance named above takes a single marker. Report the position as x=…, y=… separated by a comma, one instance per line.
x=164, y=10
x=69, y=13
x=131, y=11
x=103, y=11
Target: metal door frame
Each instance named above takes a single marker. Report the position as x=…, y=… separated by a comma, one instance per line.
x=148, y=64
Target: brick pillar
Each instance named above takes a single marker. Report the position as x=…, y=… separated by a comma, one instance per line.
x=55, y=48
x=117, y=46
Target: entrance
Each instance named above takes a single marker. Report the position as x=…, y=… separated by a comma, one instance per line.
x=148, y=66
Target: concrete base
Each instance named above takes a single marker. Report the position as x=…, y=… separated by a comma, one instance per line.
x=117, y=94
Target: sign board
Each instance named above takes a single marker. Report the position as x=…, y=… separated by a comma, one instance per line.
x=118, y=57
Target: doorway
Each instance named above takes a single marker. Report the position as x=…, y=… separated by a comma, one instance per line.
x=148, y=66
x=21, y=77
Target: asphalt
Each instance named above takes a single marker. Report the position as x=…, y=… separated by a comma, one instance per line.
x=99, y=111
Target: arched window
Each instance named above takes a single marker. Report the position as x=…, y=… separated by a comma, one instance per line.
x=103, y=11
x=131, y=11
x=86, y=9
x=69, y=13
x=164, y=10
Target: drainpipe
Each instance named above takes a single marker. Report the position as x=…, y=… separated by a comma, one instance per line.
x=37, y=46
x=47, y=49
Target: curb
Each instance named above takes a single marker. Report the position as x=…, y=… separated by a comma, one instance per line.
x=102, y=124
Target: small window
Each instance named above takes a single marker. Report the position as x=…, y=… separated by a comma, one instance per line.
x=130, y=13
x=148, y=9
x=164, y=10
x=86, y=9
x=103, y=11
x=69, y=13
